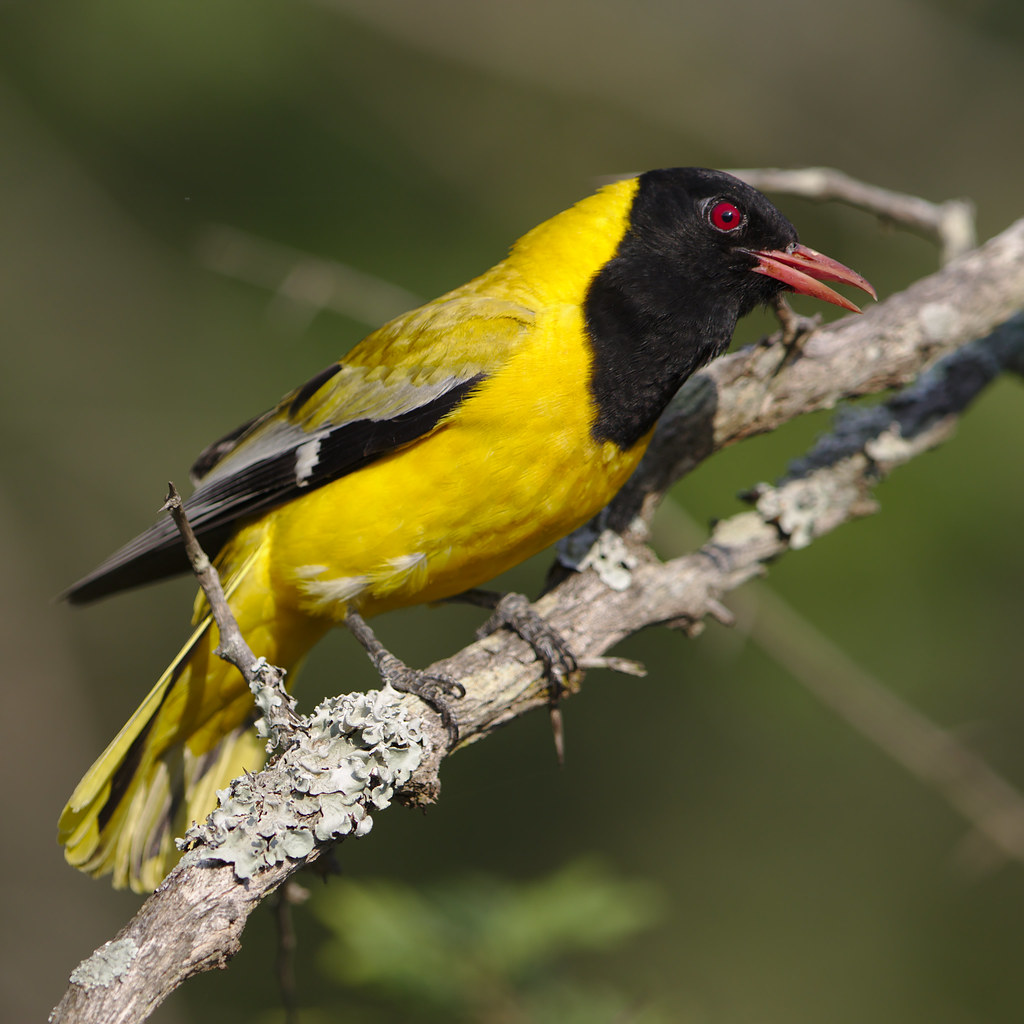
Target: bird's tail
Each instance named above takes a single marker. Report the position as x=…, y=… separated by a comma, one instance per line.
x=190, y=736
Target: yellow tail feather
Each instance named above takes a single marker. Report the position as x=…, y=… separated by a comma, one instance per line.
x=162, y=770
x=190, y=736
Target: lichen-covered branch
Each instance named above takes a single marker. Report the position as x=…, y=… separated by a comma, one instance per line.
x=194, y=920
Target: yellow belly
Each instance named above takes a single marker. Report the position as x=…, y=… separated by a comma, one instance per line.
x=513, y=469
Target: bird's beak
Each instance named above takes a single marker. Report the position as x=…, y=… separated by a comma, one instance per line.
x=803, y=269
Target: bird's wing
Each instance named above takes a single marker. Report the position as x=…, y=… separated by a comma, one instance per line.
x=395, y=387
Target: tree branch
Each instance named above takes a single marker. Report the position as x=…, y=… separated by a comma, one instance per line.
x=950, y=223
x=194, y=920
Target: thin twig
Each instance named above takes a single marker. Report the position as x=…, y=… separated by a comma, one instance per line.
x=794, y=325
x=290, y=894
x=624, y=666
x=936, y=756
x=950, y=223
x=300, y=278
x=232, y=646
x=266, y=681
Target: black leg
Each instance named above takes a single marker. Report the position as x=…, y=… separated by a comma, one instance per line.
x=435, y=690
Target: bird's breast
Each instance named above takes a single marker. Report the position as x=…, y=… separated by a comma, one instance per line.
x=513, y=469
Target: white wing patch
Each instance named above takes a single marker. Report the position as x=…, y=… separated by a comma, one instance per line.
x=365, y=398
x=306, y=457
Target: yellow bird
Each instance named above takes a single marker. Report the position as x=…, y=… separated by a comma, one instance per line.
x=449, y=445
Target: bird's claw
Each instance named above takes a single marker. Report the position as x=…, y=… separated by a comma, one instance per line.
x=514, y=612
x=434, y=690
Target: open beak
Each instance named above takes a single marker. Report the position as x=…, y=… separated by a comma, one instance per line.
x=803, y=269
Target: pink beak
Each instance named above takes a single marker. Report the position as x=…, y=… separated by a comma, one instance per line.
x=803, y=269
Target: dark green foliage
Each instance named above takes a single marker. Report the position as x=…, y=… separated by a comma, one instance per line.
x=484, y=949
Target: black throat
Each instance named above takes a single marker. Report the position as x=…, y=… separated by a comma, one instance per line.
x=648, y=333
x=668, y=301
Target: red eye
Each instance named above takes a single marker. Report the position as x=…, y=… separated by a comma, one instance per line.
x=725, y=216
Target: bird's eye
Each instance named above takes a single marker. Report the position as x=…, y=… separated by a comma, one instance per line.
x=725, y=216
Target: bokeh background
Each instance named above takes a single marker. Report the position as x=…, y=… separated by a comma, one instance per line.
x=163, y=169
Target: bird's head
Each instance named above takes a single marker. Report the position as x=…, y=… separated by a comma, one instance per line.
x=700, y=250
x=722, y=239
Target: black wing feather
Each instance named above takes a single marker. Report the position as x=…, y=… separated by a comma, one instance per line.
x=214, y=510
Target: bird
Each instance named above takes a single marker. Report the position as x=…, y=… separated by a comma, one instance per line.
x=449, y=445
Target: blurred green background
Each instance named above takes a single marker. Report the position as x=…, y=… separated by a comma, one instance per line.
x=801, y=876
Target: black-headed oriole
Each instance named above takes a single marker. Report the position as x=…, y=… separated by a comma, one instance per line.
x=450, y=444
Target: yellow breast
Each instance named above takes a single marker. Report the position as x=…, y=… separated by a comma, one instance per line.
x=510, y=471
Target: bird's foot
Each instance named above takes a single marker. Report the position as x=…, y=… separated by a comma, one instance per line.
x=513, y=611
x=435, y=690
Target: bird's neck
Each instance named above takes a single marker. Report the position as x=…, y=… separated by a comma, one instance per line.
x=643, y=351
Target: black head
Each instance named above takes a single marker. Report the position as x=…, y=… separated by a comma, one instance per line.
x=694, y=230
x=701, y=250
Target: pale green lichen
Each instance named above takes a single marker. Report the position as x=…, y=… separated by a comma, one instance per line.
x=345, y=761
x=604, y=551
x=279, y=719
x=106, y=965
